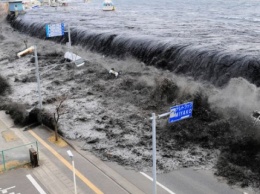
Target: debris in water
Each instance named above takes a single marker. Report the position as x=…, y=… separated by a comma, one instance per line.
x=25, y=52
x=112, y=71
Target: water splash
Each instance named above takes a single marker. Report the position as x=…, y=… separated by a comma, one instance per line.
x=215, y=66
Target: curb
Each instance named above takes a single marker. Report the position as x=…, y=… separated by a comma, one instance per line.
x=99, y=164
x=109, y=172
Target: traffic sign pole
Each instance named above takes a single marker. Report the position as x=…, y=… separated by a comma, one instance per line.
x=178, y=112
x=154, y=152
x=69, y=37
x=153, y=118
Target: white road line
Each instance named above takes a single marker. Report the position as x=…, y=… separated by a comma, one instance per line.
x=35, y=184
x=5, y=190
x=151, y=179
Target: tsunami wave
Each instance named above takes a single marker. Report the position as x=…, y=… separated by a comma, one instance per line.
x=201, y=63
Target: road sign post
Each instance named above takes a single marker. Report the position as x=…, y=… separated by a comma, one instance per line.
x=177, y=113
x=69, y=37
x=154, y=152
x=58, y=30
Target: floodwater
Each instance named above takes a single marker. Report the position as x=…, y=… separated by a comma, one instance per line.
x=208, y=40
x=212, y=41
x=226, y=25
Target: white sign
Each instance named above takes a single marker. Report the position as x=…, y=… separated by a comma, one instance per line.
x=55, y=30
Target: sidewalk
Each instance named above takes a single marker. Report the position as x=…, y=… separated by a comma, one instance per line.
x=53, y=177
x=49, y=175
x=6, y=133
x=106, y=170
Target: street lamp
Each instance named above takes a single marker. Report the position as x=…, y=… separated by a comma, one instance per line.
x=28, y=51
x=74, y=177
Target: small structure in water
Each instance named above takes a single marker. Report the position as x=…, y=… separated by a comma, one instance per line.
x=16, y=7
x=108, y=6
x=32, y=4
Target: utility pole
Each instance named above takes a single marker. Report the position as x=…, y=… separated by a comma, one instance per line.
x=38, y=77
x=154, y=152
x=69, y=37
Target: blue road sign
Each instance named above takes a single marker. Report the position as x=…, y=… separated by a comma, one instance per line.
x=179, y=112
x=55, y=30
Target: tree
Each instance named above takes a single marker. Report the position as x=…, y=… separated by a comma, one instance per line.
x=59, y=110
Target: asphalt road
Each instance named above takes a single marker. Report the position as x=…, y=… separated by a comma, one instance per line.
x=19, y=181
x=183, y=181
x=96, y=176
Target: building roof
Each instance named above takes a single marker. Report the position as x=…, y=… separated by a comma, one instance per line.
x=15, y=1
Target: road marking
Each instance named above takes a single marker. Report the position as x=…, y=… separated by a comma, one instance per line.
x=35, y=184
x=6, y=189
x=162, y=186
x=66, y=163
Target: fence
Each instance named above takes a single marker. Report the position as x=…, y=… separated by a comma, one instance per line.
x=17, y=156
